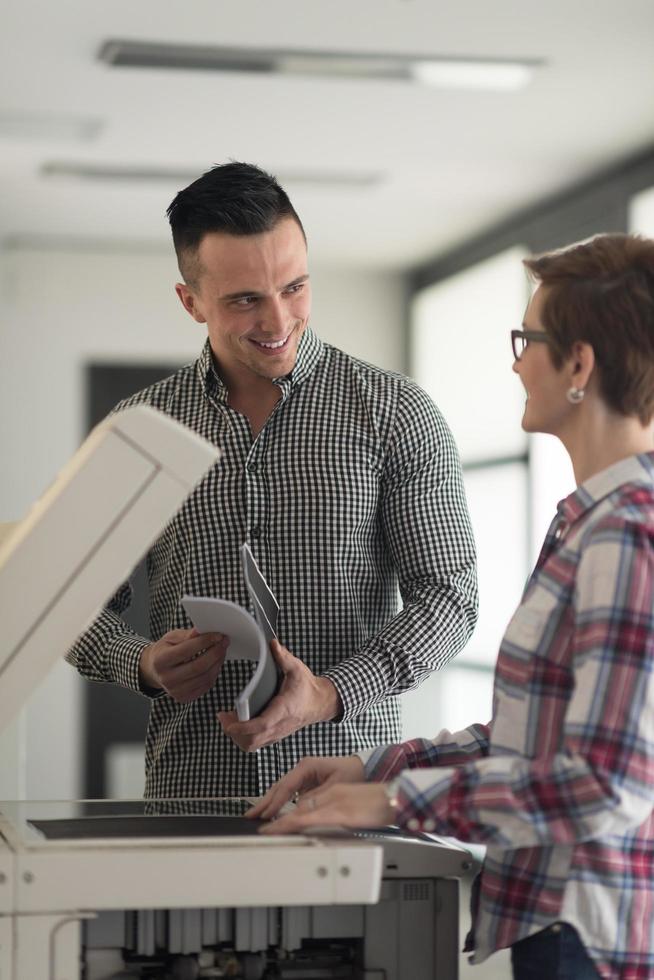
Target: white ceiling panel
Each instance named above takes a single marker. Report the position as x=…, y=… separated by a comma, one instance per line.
x=450, y=162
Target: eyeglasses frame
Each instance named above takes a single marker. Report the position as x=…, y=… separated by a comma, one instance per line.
x=538, y=336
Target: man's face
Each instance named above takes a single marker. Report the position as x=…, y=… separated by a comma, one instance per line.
x=253, y=293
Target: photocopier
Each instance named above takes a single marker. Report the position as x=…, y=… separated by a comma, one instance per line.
x=180, y=889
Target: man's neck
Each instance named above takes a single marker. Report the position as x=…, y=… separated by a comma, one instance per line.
x=248, y=393
x=255, y=399
x=257, y=409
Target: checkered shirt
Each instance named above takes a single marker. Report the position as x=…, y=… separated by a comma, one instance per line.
x=349, y=496
x=560, y=787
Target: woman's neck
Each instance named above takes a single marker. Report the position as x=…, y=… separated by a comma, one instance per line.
x=600, y=438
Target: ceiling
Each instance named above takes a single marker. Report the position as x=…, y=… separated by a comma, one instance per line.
x=449, y=162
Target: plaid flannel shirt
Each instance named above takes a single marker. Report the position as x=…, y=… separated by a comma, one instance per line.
x=350, y=494
x=560, y=786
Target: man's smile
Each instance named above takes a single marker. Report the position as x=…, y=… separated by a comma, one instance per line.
x=271, y=346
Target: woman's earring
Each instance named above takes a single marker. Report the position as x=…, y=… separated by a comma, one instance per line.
x=575, y=395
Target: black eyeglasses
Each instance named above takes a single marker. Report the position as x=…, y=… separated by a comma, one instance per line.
x=520, y=339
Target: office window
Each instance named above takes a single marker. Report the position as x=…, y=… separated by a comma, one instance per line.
x=461, y=355
x=551, y=478
x=497, y=499
x=452, y=698
x=641, y=213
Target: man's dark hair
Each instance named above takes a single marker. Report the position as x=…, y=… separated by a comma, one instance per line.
x=236, y=198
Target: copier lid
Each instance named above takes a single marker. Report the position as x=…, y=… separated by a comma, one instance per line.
x=84, y=536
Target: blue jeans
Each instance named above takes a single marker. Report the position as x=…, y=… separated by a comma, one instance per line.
x=555, y=953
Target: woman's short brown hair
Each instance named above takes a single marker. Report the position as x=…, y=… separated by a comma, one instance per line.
x=601, y=291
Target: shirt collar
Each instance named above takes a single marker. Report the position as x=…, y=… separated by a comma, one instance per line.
x=310, y=351
x=212, y=383
x=632, y=469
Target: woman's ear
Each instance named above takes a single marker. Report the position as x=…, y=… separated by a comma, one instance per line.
x=582, y=364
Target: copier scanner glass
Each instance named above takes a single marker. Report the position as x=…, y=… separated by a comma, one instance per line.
x=83, y=820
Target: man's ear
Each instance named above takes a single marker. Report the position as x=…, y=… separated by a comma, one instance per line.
x=189, y=301
x=582, y=360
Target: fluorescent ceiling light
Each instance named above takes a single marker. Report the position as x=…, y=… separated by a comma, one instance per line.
x=340, y=66
x=496, y=74
x=111, y=172
x=43, y=126
x=491, y=75
x=82, y=243
x=342, y=180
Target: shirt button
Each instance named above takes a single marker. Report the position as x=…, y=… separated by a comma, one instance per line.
x=429, y=825
x=255, y=533
x=413, y=824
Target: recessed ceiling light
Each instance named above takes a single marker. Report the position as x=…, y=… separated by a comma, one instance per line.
x=340, y=179
x=44, y=126
x=490, y=75
x=444, y=71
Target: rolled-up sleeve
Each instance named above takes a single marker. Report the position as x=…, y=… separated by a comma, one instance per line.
x=109, y=650
x=601, y=779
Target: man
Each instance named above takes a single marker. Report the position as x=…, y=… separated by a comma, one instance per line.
x=344, y=480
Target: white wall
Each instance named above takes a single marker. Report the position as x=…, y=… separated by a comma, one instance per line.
x=64, y=308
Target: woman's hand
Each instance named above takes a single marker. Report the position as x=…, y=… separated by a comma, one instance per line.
x=311, y=772
x=339, y=805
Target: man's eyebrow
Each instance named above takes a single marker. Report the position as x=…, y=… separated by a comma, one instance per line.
x=241, y=295
x=252, y=292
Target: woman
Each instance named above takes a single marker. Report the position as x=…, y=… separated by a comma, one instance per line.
x=559, y=787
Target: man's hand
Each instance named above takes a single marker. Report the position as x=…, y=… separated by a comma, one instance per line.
x=183, y=663
x=311, y=772
x=303, y=699
x=337, y=805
